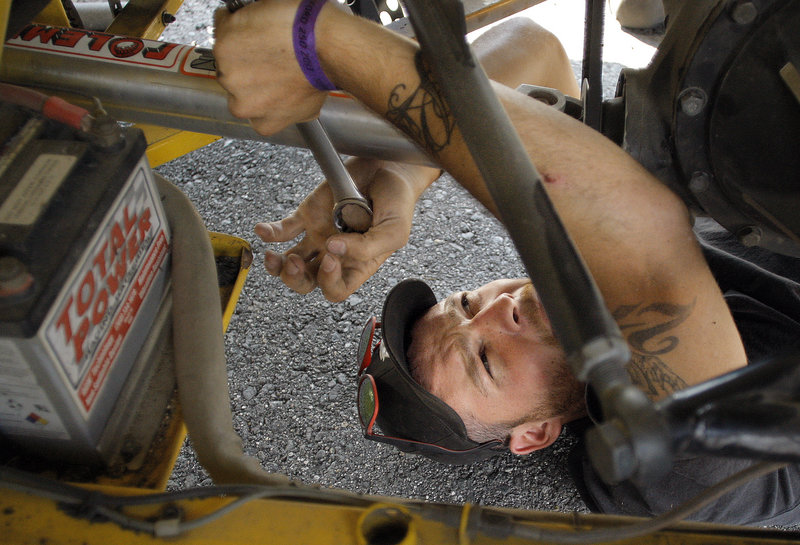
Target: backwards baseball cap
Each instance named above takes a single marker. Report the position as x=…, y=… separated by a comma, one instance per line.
x=409, y=417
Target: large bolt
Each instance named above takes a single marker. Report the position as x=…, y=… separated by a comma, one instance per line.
x=744, y=13
x=700, y=182
x=750, y=235
x=611, y=453
x=692, y=100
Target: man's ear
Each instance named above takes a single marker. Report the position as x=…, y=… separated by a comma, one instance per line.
x=534, y=435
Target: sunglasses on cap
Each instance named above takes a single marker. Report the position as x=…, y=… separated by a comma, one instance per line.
x=368, y=402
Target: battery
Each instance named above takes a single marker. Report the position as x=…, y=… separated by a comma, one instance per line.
x=84, y=261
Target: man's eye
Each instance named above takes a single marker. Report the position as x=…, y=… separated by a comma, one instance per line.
x=485, y=362
x=465, y=303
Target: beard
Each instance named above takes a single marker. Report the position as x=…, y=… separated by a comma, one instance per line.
x=565, y=394
x=531, y=307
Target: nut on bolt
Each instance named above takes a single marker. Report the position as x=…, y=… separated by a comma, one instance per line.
x=750, y=235
x=700, y=182
x=692, y=100
x=611, y=453
x=744, y=13
x=167, y=18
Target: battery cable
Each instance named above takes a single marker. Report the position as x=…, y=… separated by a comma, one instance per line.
x=51, y=107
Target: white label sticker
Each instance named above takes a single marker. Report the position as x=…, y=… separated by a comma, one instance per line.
x=13, y=367
x=88, y=323
x=98, y=45
x=24, y=407
x=29, y=198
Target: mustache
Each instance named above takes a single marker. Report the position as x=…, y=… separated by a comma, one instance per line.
x=531, y=307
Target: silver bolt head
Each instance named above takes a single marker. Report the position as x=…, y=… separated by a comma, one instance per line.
x=750, y=235
x=692, y=101
x=744, y=13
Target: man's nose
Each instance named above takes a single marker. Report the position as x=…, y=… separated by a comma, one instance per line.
x=500, y=314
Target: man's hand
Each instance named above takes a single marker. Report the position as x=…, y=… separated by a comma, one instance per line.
x=256, y=65
x=340, y=262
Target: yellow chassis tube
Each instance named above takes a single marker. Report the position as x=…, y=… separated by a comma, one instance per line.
x=316, y=517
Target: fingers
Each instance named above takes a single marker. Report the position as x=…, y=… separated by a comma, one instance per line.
x=273, y=262
x=298, y=275
x=331, y=282
x=325, y=270
x=338, y=283
x=345, y=263
x=340, y=263
x=352, y=258
x=349, y=262
x=280, y=231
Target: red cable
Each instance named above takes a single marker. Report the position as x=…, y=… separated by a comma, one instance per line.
x=51, y=107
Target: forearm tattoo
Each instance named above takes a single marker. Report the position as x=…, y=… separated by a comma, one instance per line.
x=650, y=331
x=422, y=113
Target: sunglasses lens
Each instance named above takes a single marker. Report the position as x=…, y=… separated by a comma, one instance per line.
x=367, y=407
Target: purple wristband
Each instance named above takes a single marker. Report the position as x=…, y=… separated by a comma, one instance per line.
x=305, y=44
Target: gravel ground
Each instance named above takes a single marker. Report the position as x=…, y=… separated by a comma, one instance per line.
x=291, y=358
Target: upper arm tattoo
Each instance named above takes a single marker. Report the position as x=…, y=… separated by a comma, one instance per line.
x=650, y=331
x=422, y=113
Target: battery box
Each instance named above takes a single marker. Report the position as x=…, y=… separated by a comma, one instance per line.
x=84, y=259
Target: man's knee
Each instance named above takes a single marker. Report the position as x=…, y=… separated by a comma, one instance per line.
x=519, y=50
x=522, y=34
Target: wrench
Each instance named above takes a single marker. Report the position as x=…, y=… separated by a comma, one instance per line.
x=352, y=212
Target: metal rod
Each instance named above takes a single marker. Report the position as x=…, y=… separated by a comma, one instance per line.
x=595, y=348
x=169, y=98
x=592, y=67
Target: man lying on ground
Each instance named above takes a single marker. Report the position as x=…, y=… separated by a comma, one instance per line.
x=487, y=368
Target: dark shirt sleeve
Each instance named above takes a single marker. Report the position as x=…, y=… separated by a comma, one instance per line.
x=771, y=500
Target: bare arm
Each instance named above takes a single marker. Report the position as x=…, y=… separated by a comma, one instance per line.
x=633, y=233
x=339, y=263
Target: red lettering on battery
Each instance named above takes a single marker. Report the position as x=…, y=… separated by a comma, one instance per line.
x=133, y=244
x=144, y=223
x=63, y=321
x=117, y=238
x=100, y=259
x=79, y=337
x=85, y=293
x=111, y=266
x=112, y=344
x=128, y=220
x=117, y=274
